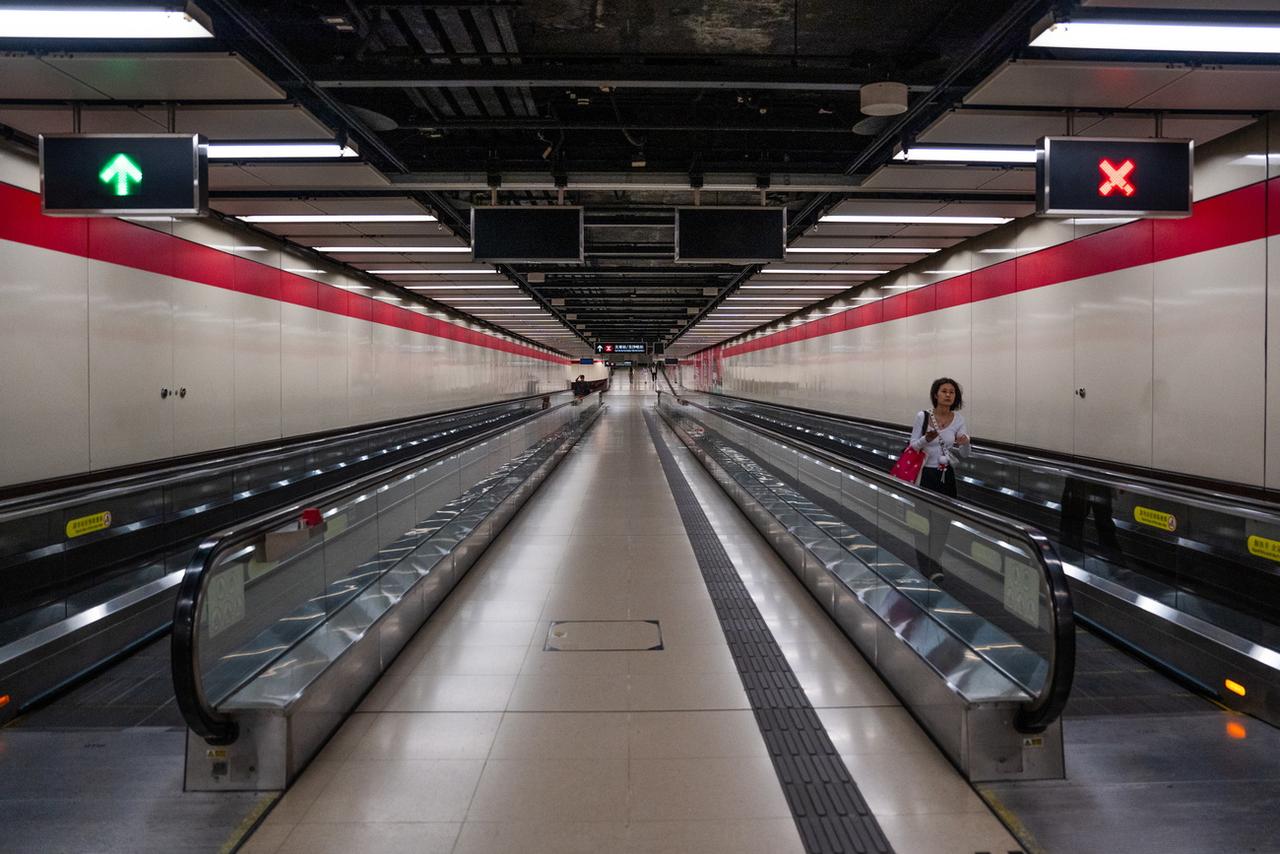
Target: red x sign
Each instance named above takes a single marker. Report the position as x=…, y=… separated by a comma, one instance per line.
x=1117, y=178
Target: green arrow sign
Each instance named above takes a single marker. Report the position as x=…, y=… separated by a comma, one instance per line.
x=120, y=170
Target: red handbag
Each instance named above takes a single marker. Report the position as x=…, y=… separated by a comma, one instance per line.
x=909, y=464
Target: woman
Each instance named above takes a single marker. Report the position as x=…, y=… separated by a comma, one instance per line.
x=942, y=435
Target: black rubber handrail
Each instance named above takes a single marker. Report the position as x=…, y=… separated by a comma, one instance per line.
x=205, y=721
x=1045, y=708
x=165, y=472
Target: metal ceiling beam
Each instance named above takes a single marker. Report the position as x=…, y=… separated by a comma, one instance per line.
x=779, y=77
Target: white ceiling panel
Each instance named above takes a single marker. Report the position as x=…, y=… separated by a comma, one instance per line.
x=226, y=176
x=1020, y=180
x=35, y=79
x=918, y=177
x=1219, y=88
x=309, y=175
x=1046, y=83
x=993, y=127
x=165, y=76
x=263, y=122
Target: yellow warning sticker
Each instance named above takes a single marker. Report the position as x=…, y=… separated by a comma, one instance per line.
x=216, y=753
x=88, y=524
x=1155, y=518
x=1033, y=741
x=1262, y=547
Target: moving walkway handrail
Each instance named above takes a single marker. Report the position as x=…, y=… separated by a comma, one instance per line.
x=70, y=496
x=188, y=681
x=1204, y=498
x=1048, y=705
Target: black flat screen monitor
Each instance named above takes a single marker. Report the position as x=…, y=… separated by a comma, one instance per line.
x=514, y=234
x=730, y=235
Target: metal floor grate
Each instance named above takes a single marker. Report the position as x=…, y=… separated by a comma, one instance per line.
x=828, y=809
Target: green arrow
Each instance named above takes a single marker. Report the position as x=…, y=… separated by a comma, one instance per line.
x=121, y=170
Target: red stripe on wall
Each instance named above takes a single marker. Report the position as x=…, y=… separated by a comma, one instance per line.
x=1238, y=216
x=134, y=246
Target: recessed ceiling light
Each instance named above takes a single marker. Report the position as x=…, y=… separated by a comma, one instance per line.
x=459, y=287
x=967, y=154
x=99, y=23
x=805, y=271
x=278, y=150
x=917, y=220
x=502, y=307
x=482, y=299
x=861, y=250
x=401, y=250
x=785, y=287
x=1161, y=36
x=303, y=218
x=430, y=272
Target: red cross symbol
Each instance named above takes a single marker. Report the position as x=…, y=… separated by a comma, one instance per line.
x=1117, y=178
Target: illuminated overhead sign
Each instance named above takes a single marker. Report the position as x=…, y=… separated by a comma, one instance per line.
x=1081, y=176
x=122, y=175
x=614, y=347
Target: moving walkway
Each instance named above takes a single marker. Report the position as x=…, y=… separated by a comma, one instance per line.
x=1185, y=577
x=90, y=569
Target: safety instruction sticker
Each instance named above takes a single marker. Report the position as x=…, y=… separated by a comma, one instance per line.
x=88, y=524
x=1263, y=547
x=1022, y=592
x=1155, y=518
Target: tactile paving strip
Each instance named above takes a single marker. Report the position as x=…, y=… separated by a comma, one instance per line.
x=829, y=811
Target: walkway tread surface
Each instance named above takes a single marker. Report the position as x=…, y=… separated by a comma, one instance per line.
x=830, y=812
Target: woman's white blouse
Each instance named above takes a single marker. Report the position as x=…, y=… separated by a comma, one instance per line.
x=943, y=449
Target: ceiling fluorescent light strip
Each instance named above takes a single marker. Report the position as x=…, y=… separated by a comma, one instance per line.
x=321, y=218
x=916, y=220
x=425, y=272
x=1161, y=36
x=460, y=287
x=403, y=250
x=862, y=250
x=966, y=154
x=803, y=271
x=279, y=151
x=100, y=23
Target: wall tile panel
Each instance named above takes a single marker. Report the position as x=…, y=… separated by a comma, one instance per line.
x=44, y=364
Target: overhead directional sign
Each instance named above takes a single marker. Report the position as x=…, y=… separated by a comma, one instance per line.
x=121, y=175
x=626, y=347
x=1081, y=176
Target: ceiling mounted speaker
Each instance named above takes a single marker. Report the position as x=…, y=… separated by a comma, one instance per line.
x=884, y=99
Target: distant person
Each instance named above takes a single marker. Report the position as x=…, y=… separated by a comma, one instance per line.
x=941, y=433
x=580, y=387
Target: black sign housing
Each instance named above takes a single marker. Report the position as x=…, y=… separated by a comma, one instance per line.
x=172, y=170
x=1081, y=176
x=510, y=233
x=731, y=235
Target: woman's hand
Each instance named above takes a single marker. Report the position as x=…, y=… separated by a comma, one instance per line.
x=962, y=439
x=931, y=435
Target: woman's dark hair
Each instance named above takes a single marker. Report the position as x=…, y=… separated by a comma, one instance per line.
x=939, y=383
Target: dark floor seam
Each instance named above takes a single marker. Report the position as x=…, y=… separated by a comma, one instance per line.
x=829, y=811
